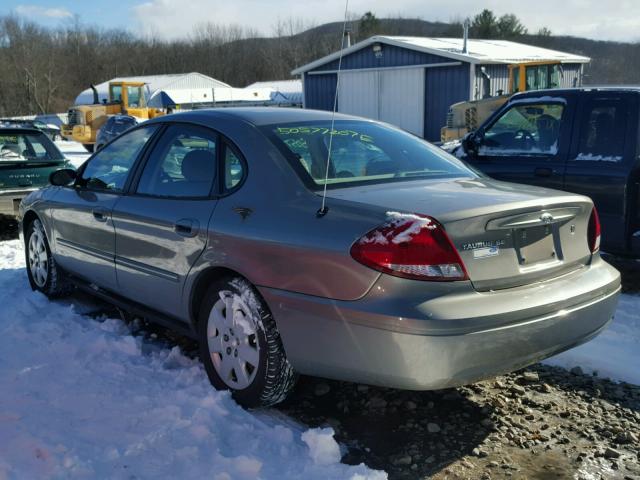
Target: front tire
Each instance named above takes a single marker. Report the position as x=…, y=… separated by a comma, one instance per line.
x=240, y=345
x=42, y=269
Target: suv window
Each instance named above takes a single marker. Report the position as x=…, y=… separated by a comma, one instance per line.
x=529, y=128
x=602, y=131
x=109, y=168
x=183, y=164
x=24, y=147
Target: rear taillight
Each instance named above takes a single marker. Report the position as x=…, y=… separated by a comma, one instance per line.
x=593, y=234
x=410, y=246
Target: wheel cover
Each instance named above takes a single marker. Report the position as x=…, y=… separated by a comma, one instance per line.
x=233, y=341
x=38, y=258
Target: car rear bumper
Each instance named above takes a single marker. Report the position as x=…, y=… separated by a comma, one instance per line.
x=10, y=200
x=475, y=336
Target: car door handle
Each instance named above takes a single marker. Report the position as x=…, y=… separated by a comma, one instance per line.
x=100, y=214
x=186, y=227
x=543, y=172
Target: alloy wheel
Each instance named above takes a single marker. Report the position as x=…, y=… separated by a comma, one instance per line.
x=38, y=258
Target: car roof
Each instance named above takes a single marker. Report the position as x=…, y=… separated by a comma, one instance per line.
x=254, y=115
x=563, y=92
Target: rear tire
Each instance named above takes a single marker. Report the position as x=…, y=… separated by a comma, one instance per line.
x=88, y=147
x=241, y=349
x=42, y=269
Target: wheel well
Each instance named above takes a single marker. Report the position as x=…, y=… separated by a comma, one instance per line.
x=202, y=283
x=28, y=218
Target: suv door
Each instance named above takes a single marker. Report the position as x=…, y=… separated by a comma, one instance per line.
x=601, y=160
x=526, y=143
x=84, y=236
x=161, y=227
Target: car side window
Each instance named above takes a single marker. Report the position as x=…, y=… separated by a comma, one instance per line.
x=109, y=168
x=233, y=167
x=183, y=164
x=602, y=131
x=528, y=128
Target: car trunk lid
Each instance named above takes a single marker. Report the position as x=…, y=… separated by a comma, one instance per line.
x=506, y=234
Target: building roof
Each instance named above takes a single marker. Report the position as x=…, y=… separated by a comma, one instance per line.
x=176, y=81
x=478, y=51
x=282, y=91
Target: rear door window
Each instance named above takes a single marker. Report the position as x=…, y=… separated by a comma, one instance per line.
x=602, y=130
x=183, y=164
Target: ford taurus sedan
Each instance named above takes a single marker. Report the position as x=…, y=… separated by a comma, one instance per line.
x=418, y=273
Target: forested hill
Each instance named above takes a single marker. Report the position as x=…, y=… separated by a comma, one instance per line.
x=44, y=69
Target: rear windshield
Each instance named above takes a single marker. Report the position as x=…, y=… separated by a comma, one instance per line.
x=26, y=147
x=361, y=152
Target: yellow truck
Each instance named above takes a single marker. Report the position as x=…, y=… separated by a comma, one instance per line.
x=464, y=117
x=126, y=98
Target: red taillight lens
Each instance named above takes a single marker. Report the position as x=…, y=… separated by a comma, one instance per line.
x=593, y=234
x=410, y=246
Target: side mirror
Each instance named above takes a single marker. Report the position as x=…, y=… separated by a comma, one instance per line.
x=470, y=143
x=62, y=178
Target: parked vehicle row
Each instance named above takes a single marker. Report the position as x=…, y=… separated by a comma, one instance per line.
x=420, y=274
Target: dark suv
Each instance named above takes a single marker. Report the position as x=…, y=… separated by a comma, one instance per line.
x=582, y=140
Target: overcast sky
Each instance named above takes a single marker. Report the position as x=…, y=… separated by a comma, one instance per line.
x=597, y=19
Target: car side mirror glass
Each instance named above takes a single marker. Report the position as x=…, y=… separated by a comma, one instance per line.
x=62, y=178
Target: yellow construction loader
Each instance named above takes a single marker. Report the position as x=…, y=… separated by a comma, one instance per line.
x=126, y=98
x=464, y=117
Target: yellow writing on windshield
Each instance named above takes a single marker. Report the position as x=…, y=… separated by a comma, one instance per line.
x=323, y=131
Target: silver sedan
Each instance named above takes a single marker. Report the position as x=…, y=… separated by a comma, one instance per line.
x=414, y=272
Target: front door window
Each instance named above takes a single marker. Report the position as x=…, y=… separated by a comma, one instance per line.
x=524, y=129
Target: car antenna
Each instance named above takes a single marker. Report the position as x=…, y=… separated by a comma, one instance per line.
x=323, y=208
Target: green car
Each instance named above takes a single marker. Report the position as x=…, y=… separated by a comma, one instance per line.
x=27, y=158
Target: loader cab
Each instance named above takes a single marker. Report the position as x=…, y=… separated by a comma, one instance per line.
x=128, y=94
x=525, y=77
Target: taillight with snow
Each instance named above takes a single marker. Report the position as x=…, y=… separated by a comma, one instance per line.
x=410, y=246
x=593, y=233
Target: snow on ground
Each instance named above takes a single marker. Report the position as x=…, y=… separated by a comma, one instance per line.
x=615, y=353
x=73, y=151
x=82, y=398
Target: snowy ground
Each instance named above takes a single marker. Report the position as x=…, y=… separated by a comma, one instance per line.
x=616, y=352
x=73, y=151
x=83, y=398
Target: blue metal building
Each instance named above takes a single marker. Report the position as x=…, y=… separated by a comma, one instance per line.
x=412, y=81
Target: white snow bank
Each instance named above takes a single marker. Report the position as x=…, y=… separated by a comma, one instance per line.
x=322, y=447
x=615, y=353
x=73, y=151
x=84, y=398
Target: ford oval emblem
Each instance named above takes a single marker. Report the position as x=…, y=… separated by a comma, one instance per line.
x=546, y=218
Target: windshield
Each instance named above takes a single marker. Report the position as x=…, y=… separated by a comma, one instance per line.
x=361, y=152
x=24, y=147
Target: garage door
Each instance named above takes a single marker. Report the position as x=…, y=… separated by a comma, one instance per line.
x=402, y=99
x=393, y=96
x=358, y=94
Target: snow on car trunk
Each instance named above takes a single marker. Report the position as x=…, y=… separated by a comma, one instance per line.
x=85, y=398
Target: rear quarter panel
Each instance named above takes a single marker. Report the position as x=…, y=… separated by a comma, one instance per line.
x=268, y=230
